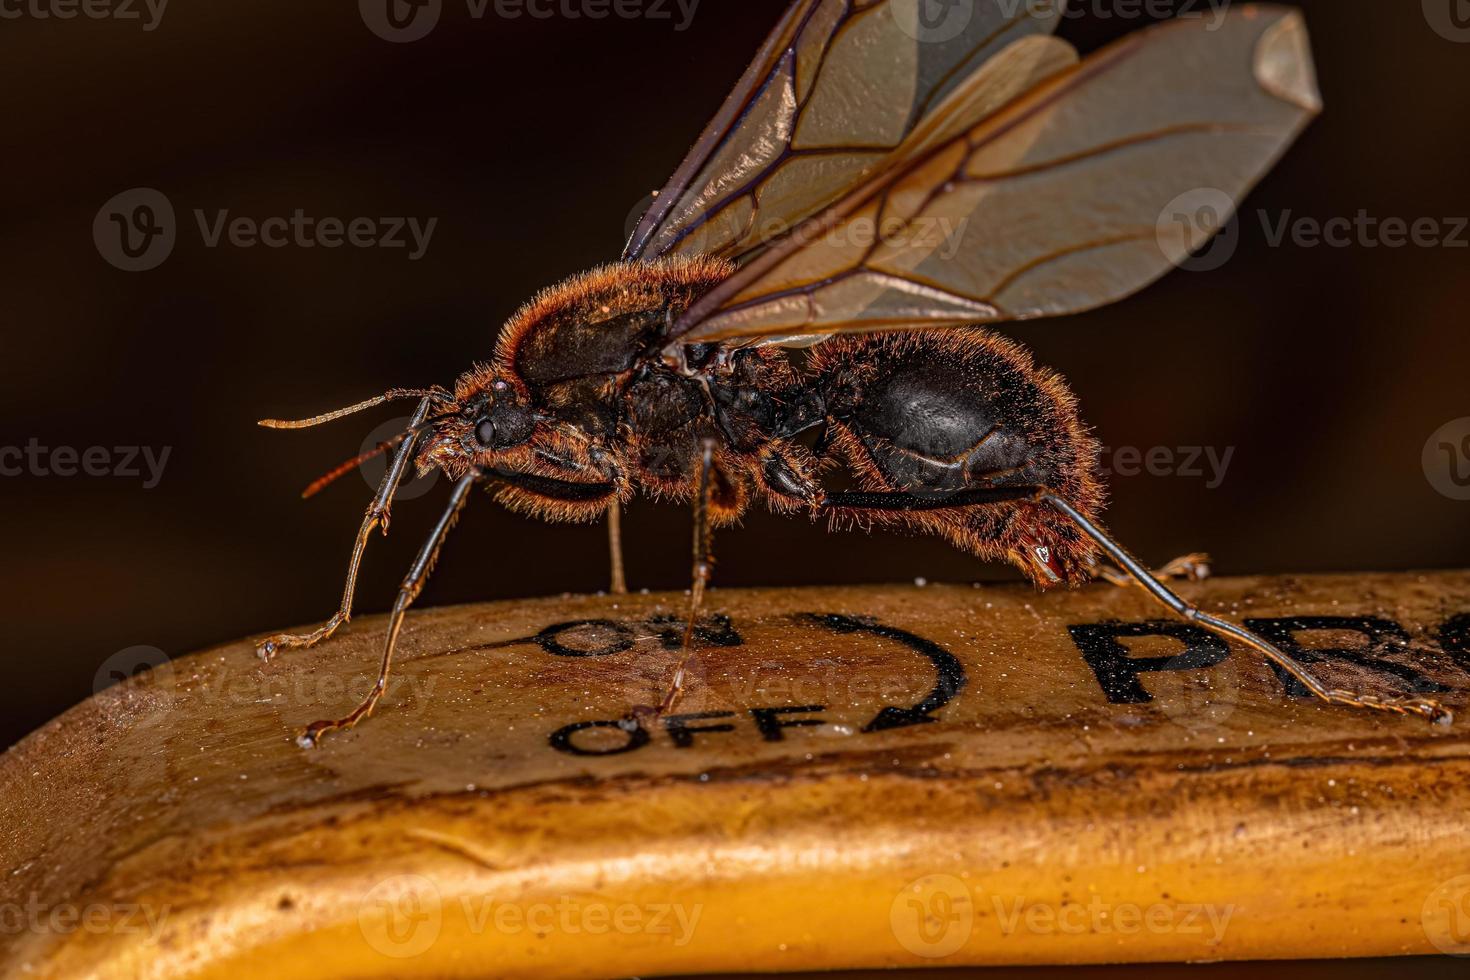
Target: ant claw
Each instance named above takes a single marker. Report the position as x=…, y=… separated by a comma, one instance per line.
x=311, y=736
x=640, y=716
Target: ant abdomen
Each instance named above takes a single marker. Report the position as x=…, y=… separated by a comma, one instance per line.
x=936, y=413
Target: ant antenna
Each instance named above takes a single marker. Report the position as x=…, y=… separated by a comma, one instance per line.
x=395, y=394
x=331, y=476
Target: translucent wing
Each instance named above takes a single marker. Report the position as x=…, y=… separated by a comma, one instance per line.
x=1079, y=194
x=835, y=89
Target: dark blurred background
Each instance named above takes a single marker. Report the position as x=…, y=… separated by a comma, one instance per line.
x=1324, y=371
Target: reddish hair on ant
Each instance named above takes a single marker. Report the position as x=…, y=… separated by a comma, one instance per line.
x=931, y=185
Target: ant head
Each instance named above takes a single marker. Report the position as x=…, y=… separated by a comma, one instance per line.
x=490, y=415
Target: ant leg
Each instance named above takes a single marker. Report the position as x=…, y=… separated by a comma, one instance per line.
x=1424, y=707
x=376, y=516
x=615, y=547
x=703, y=562
x=900, y=501
x=1188, y=568
x=413, y=583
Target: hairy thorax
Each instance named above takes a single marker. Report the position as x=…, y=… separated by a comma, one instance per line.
x=580, y=390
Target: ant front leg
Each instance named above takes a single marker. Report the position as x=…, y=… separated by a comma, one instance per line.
x=377, y=516
x=413, y=584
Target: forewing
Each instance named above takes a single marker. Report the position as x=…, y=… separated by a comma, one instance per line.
x=1077, y=195
x=835, y=89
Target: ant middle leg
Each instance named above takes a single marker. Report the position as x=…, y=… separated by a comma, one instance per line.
x=1194, y=567
x=377, y=516
x=699, y=576
x=615, y=548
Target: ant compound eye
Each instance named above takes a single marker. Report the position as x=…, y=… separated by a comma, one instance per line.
x=500, y=386
x=504, y=425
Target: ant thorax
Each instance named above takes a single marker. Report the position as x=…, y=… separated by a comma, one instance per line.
x=579, y=390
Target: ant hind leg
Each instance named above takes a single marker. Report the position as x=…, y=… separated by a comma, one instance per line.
x=1142, y=577
x=699, y=579
x=1423, y=707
